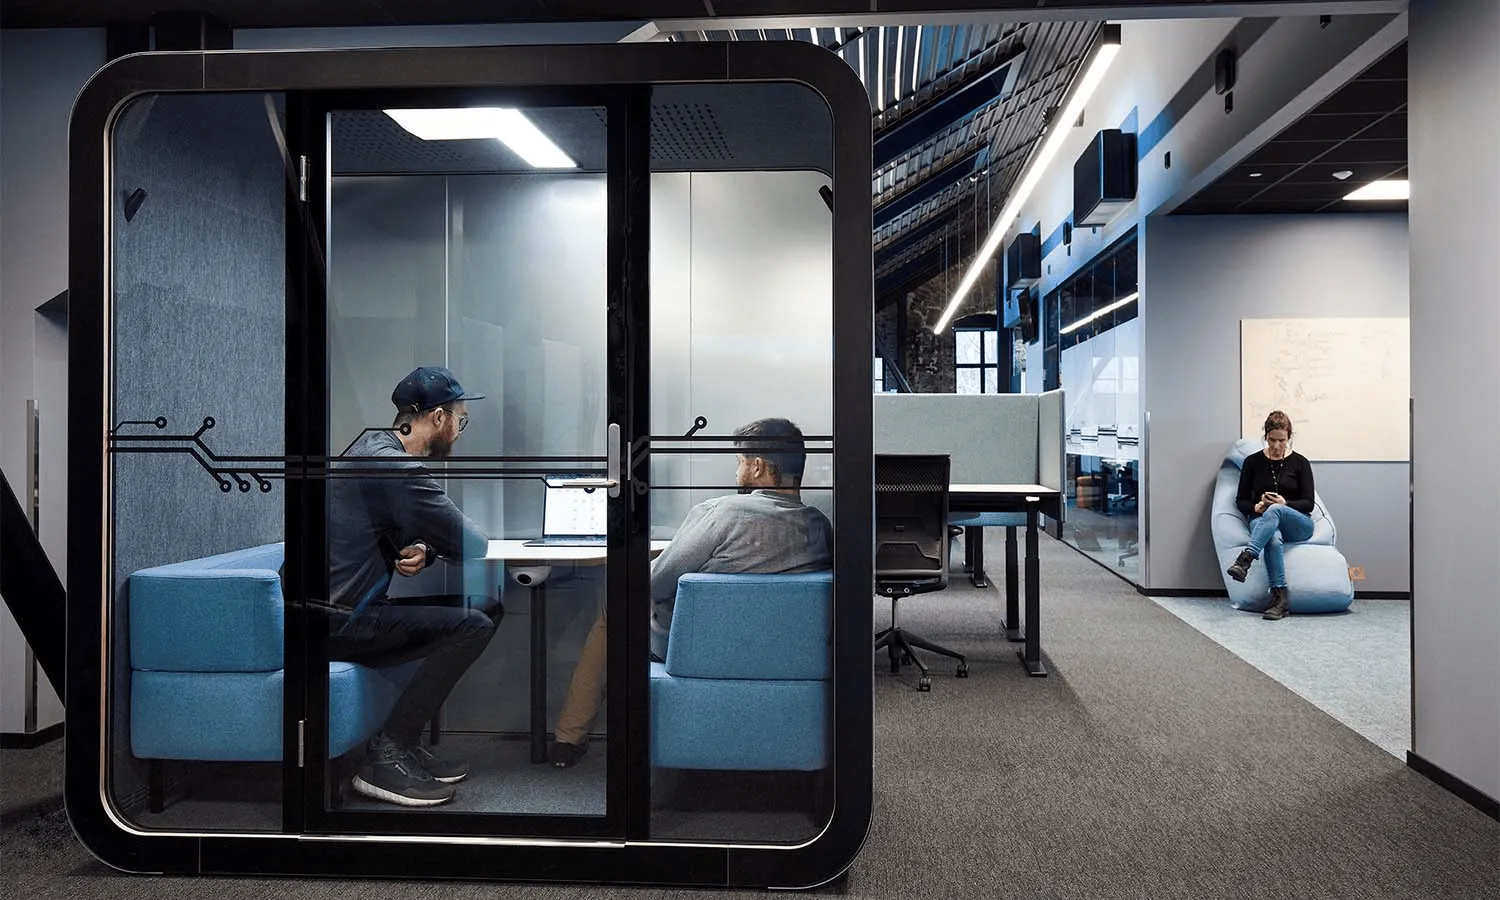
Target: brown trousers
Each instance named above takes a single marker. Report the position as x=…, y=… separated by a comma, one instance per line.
x=586, y=689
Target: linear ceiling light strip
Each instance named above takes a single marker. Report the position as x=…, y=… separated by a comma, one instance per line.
x=1091, y=76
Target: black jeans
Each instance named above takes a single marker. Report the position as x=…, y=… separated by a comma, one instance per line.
x=445, y=632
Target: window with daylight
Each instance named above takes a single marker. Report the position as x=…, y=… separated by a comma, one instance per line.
x=977, y=360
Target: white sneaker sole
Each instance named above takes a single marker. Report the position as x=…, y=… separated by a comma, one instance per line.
x=380, y=793
x=451, y=779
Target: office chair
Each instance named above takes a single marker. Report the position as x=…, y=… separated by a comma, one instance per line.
x=911, y=547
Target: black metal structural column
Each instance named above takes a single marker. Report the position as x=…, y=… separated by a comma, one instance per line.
x=31, y=588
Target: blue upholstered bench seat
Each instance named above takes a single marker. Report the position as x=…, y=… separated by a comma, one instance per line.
x=747, y=677
x=237, y=716
x=988, y=519
x=208, y=675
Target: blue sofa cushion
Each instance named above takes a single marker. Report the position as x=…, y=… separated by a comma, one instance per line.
x=1317, y=574
x=216, y=614
x=704, y=723
x=753, y=627
x=237, y=717
x=987, y=519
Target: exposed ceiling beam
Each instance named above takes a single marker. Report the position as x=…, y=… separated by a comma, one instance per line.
x=668, y=14
x=932, y=223
x=986, y=12
x=930, y=187
x=916, y=128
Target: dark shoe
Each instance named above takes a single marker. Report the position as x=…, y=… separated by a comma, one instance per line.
x=391, y=773
x=564, y=755
x=446, y=770
x=1241, y=565
x=1278, y=608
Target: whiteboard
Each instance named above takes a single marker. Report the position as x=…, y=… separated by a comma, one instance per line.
x=1345, y=383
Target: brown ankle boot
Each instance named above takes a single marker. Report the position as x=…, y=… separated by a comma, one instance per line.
x=1278, y=608
x=1241, y=565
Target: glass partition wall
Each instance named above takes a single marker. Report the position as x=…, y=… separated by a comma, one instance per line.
x=407, y=392
x=1094, y=314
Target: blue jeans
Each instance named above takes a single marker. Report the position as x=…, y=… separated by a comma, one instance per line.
x=1278, y=524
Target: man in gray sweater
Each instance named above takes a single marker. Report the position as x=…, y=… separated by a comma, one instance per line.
x=388, y=516
x=765, y=528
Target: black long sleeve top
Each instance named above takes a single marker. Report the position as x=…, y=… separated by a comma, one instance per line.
x=1291, y=477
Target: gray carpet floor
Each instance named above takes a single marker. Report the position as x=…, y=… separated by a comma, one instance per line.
x=1152, y=763
x=1355, y=666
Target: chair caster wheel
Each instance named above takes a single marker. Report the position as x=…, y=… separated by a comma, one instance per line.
x=963, y=671
x=925, y=684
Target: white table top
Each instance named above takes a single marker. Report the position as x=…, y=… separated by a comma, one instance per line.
x=516, y=551
x=1000, y=489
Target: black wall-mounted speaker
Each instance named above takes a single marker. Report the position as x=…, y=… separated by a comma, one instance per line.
x=1023, y=260
x=1104, y=178
x=1031, y=317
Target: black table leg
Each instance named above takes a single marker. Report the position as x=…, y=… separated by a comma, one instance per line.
x=539, y=673
x=1031, y=654
x=1012, y=623
x=974, y=550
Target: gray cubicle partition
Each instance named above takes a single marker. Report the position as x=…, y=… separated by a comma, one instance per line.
x=991, y=438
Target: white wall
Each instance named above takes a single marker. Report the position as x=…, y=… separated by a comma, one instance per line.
x=1455, y=220
x=1205, y=273
x=41, y=71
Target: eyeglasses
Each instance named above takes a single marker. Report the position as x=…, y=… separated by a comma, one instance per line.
x=463, y=420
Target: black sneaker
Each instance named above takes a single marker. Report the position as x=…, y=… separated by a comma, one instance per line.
x=391, y=774
x=564, y=755
x=446, y=770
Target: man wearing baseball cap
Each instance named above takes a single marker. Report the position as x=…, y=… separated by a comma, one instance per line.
x=393, y=518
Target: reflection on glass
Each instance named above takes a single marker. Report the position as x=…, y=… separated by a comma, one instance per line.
x=1099, y=368
x=197, y=360
x=741, y=333
x=469, y=247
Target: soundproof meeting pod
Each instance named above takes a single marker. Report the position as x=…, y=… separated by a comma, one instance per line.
x=627, y=251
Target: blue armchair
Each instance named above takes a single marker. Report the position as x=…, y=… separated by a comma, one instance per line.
x=1317, y=575
x=207, y=672
x=747, y=676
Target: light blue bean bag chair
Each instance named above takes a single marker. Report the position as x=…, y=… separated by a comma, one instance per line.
x=1317, y=575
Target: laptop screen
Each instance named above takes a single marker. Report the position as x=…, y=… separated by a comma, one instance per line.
x=573, y=512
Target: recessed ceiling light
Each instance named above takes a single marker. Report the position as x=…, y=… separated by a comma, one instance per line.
x=509, y=126
x=1343, y=174
x=1389, y=189
x=1254, y=174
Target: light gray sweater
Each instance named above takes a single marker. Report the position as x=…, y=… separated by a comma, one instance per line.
x=763, y=532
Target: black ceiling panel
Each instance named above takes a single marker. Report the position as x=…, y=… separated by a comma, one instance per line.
x=1356, y=136
x=1361, y=96
x=1322, y=127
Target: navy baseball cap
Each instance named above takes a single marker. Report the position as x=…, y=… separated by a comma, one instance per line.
x=428, y=387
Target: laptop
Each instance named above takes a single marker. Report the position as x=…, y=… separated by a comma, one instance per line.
x=571, y=516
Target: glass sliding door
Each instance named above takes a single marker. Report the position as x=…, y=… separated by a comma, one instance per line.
x=742, y=389
x=193, y=721
x=467, y=391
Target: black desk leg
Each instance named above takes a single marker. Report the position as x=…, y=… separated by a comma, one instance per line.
x=974, y=550
x=1031, y=654
x=539, y=673
x=1012, y=624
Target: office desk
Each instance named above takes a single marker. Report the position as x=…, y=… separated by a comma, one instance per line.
x=1034, y=500
x=516, y=553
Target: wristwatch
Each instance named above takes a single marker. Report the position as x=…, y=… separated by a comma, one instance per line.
x=428, y=553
